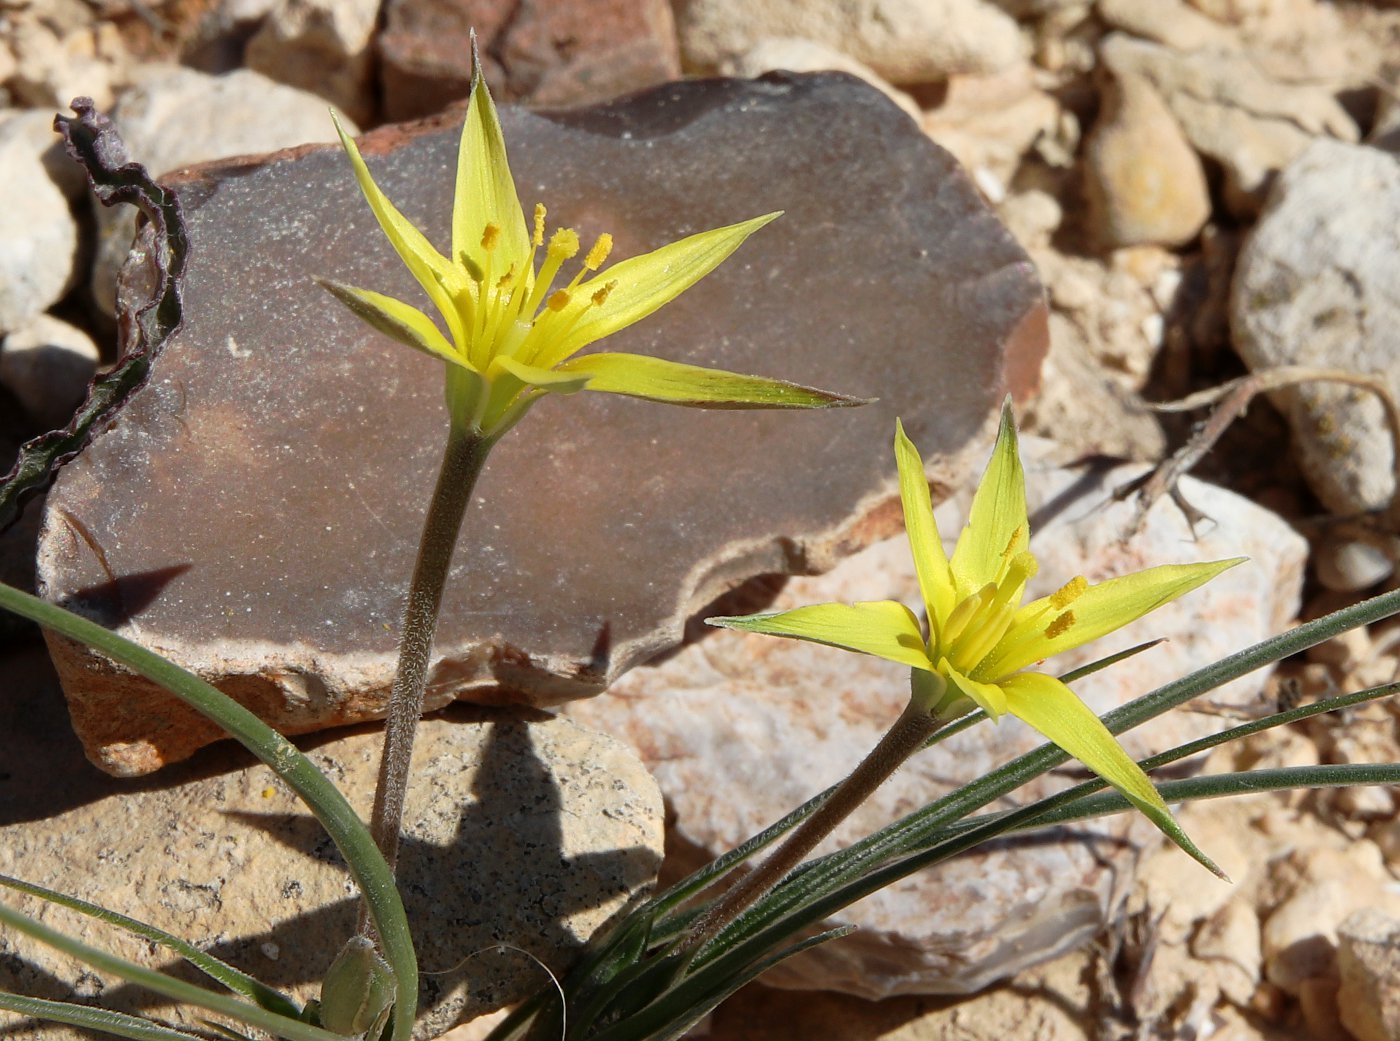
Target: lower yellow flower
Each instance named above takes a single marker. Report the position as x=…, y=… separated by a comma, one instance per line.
x=981, y=638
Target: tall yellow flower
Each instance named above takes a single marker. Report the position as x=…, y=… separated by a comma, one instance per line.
x=982, y=640
x=514, y=325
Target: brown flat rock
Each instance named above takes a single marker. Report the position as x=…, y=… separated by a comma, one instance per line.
x=255, y=510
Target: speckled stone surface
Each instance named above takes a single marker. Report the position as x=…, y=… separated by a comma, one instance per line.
x=254, y=511
x=529, y=831
x=739, y=729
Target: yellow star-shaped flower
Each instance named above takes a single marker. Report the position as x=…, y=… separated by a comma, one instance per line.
x=981, y=638
x=514, y=329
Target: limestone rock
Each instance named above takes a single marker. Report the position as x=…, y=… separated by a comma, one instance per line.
x=606, y=522
x=535, y=51
x=60, y=52
x=1169, y=22
x=1368, y=957
x=740, y=729
x=1145, y=183
x=179, y=117
x=792, y=54
x=322, y=47
x=1233, y=112
x=1230, y=938
x=39, y=241
x=905, y=41
x=1315, y=286
x=531, y=832
x=46, y=365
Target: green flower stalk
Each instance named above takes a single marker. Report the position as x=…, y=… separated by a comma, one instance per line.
x=978, y=651
x=509, y=329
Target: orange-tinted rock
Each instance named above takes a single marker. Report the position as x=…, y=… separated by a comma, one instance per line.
x=254, y=512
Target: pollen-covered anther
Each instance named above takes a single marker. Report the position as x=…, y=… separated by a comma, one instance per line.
x=558, y=300
x=563, y=244
x=537, y=239
x=601, y=296
x=1069, y=592
x=599, y=253
x=1013, y=542
x=490, y=236
x=1060, y=625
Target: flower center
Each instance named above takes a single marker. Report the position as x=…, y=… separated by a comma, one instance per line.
x=516, y=312
x=979, y=621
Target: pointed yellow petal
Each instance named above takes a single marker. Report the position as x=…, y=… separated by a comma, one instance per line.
x=996, y=526
x=987, y=696
x=930, y=560
x=883, y=628
x=1053, y=709
x=485, y=191
x=645, y=283
x=641, y=376
x=1045, y=627
x=395, y=319
x=545, y=379
x=426, y=264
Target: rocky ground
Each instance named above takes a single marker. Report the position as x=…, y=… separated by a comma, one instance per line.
x=1208, y=190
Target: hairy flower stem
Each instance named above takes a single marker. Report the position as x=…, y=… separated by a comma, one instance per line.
x=914, y=726
x=462, y=461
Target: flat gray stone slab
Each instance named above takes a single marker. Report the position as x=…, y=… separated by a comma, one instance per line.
x=255, y=511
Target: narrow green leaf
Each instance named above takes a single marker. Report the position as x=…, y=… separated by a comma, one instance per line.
x=325, y=801
x=221, y=972
x=106, y=1021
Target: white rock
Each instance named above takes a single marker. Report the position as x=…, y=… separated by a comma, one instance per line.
x=321, y=46
x=1350, y=565
x=905, y=41
x=1170, y=22
x=47, y=364
x=1233, y=112
x=796, y=55
x=181, y=117
x=529, y=833
x=39, y=241
x=1315, y=285
x=740, y=729
x=990, y=122
x=1230, y=938
x=1368, y=957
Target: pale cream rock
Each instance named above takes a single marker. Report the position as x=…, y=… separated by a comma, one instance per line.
x=1368, y=960
x=740, y=729
x=1169, y=22
x=534, y=832
x=178, y=117
x=47, y=364
x=990, y=122
x=1300, y=933
x=1230, y=939
x=1231, y=111
x=40, y=248
x=321, y=46
x=905, y=41
x=792, y=54
x=1145, y=183
x=1314, y=286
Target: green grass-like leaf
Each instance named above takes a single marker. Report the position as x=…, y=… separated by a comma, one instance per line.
x=325, y=801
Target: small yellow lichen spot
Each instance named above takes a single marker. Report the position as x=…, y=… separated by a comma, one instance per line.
x=1069, y=592
x=1060, y=625
x=490, y=236
x=599, y=252
x=558, y=300
x=269, y=792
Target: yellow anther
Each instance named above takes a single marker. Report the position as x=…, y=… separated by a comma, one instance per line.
x=964, y=612
x=538, y=238
x=490, y=235
x=558, y=300
x=472, y=267
x=1024, y=565
x=602, y=295
x=599, y=252
x=563, y=244
x=1016, y=537
x=506, y=279
x=1060, y=625
x=1069, y=592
